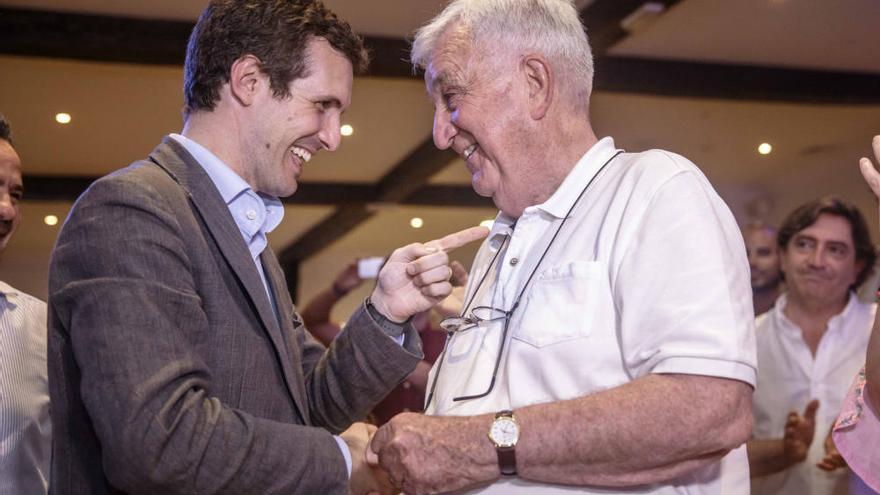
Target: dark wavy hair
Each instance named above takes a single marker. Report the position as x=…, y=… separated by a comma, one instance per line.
x=807, y=214
x=275, y=31
x=5, y=129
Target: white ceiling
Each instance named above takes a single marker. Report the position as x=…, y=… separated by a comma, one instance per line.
x=120, y=111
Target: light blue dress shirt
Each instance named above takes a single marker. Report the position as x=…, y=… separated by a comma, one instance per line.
x=255, y=214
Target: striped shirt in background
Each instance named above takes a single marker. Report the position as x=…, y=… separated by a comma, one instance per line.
x=25, y=428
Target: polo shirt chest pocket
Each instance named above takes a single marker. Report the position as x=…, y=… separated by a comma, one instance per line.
x=562, y=304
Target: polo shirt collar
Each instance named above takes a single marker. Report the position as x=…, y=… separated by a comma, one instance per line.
x=584, y=170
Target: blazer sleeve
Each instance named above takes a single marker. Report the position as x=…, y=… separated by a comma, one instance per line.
x=123, y=288
x=362, y=365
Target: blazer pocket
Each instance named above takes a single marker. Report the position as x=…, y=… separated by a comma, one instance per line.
x=561, y=304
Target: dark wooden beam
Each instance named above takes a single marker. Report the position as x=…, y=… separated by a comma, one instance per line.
x=146, y=41
x=100, y=38
x=442, y=195
x=402, y=182
x=602, y=20
x=734, y=82
x=68, y=188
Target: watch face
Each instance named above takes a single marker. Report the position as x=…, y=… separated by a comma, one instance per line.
x=504, y=432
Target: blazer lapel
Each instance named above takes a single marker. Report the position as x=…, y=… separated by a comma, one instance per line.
x=275, y=277
x=183, y=168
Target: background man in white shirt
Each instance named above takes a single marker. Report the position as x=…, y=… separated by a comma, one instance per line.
x=25, y=427
x=810, y=346
x=763, y=255
x=609, y=308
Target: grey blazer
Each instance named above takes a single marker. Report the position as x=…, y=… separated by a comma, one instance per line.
x=169, y=371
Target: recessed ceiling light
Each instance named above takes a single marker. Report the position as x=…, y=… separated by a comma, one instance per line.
x=416, y=223
x=765, y=148
x=346, y=130
x=487, y=223
x=62, y=118
x=50, y=220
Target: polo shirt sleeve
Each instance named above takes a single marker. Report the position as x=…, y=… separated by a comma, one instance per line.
x=683, y=285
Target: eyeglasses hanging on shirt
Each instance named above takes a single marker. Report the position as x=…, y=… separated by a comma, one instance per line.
x=481, y=314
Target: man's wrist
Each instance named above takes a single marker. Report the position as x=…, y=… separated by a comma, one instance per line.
x=345, y=452
x=391, y=328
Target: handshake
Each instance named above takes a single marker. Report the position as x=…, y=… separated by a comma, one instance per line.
x=367, y=478
x=414, y=454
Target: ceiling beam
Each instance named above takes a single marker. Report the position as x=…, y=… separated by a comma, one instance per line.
x=100, y=38
x=602, y=19
x=403, y=182
x=68, y=188
x=734, y=82
x=145, y=41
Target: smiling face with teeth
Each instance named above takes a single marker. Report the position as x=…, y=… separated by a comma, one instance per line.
x=282, y=134
x=11, y=191
x=481, y=113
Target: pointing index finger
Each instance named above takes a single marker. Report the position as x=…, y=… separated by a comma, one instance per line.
x=458, y=239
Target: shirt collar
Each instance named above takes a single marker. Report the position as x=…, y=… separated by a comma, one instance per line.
x=232, y=187
x=588, y=166
x=837, y=321
x=502, y=228
x=8, y=291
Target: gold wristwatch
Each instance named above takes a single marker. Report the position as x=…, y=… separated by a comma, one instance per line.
x=504, y=433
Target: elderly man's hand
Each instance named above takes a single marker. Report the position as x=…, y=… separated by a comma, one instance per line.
x=799, y=432
x=416, y=277
x=428, y=454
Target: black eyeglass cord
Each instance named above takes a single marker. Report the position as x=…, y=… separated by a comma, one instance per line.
x=509, y=313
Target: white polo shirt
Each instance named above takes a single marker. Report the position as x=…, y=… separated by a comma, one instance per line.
x=649, y=275
x=790, y=376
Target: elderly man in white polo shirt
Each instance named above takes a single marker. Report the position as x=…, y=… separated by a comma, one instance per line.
x=607, y=339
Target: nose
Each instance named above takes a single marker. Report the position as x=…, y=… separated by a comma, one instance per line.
x=444, y=129
x=330, y=135
x=817, y=258
x=7, y=208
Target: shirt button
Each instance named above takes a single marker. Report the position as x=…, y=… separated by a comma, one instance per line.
x=514, y=261
x=251, y=214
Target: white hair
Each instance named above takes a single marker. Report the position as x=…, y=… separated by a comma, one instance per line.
x=549, y=27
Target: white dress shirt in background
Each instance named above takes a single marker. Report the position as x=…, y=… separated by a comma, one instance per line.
x=25, y=427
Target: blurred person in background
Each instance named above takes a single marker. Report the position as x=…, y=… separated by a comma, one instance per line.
x=763, y=254
x=810, y=345
x=25, y=427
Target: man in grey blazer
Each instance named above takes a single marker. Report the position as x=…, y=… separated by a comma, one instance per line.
x=177, y=361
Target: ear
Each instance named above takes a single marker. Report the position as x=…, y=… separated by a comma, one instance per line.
x=860, y=265
x=246, y=79
x=540, y=82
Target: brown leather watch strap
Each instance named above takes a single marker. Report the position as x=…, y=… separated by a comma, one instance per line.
x=507, y=460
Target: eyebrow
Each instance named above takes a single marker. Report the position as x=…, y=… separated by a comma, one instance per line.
x=443, y=78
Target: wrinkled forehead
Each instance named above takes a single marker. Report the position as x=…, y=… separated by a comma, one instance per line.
x=453, y=56
x=828, y=227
